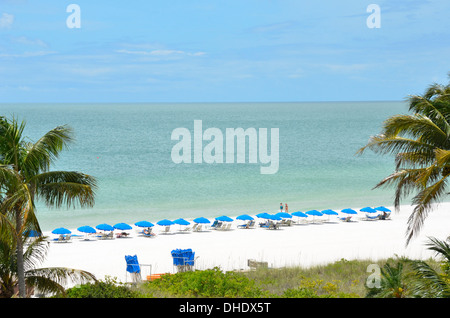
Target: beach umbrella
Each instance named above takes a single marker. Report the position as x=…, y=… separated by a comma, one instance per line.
x=181, y=222
x=165, y=222
x=299, y=214
x=202, y=220
x=284, y=215
x=104, y=227
x=314, y=213
x=263, y=215
x=272, y=217
x=349, y=211
x=122, y=226
x=61, y=230
x=144, y=224
x=329, y=212
x=224, y=218
x=244, y=217
x=382, y=209
x=368, y=209
x=86, y=229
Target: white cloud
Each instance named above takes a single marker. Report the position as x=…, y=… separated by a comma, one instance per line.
x=27, y=41
x=29, y=54
x=6, y=20
x=160, y=52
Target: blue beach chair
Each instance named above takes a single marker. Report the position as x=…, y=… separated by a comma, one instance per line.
x=134, y=268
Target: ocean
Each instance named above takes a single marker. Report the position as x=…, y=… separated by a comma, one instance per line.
x=128, y=148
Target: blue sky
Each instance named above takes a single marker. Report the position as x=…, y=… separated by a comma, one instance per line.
x=221, y=50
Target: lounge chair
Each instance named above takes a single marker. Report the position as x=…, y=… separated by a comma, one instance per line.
x=166, y=230
x=148, y=232
x=60, y=238
x=106, y=236
x=345, y=218
x=122, y=234
x=273, y=226
x=371, y=217
x=198, y=228
x=384, y=216
x=216, y=224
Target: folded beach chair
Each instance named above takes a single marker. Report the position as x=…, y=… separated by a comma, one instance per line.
x=183, y=260
x=134, y=268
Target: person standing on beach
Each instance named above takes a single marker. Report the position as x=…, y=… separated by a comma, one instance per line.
x=281, y=207
x=286, y=208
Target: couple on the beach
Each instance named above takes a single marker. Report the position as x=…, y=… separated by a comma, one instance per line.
x=281, y=207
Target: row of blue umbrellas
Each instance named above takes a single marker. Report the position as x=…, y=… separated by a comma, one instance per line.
x=223, y=218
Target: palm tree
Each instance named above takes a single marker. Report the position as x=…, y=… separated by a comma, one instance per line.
x=392, y=282
x=421, y=145
x=25, y=177
x=47, y=280
x=428, y=282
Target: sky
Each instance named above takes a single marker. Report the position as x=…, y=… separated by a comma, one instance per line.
x=221, y=50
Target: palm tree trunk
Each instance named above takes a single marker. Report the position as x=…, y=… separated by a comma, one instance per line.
x=19, y=251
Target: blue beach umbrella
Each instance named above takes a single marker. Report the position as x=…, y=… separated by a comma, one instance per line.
x=144, y=224
x=263, y=215
x=86, y=229
x=61, y=230
x=329, y=212
x=244, y=217
x=272, y=217
x=122, y=226
x=314, y=213
x=181, y=222
x=349, y=211
x=104, y=227
x=165, y=222
x=299, y=214
x=224, y=218
x=202, y=220
x=382, y=209
x=284, y=215
x=368, y=209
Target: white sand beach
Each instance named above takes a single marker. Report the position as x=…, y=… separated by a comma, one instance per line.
x=299, y=244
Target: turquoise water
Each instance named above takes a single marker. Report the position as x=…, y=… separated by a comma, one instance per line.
x=128, y=148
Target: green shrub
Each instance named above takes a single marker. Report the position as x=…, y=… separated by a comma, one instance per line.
x=103, y=289
x=205, y=283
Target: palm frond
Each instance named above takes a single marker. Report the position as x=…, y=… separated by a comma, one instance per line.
x=54, y=279
x=383, y=144
x=428, y=283
x=67, y=188
x=41, y=154
x=423, y=204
